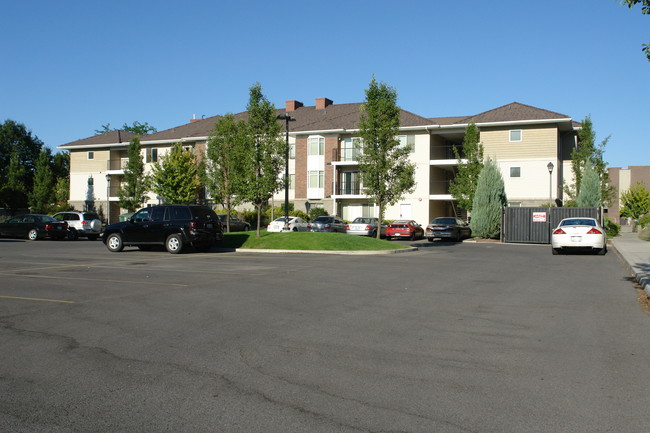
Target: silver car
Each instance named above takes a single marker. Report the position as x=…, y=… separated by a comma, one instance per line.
x=86, y=224
x=364, y=226
x=328, y=224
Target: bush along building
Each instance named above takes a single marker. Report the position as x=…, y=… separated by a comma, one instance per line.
x=531, y=146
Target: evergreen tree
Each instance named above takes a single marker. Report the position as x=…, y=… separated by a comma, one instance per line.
x=42, y=196
x=384, y=166
x=590, y=192
x=61, y=195
x=470, y=164
x=489, y=200
x=587, y=149
x=132, y=192
x=228, y=145
x=177, y=176
x=265, y=160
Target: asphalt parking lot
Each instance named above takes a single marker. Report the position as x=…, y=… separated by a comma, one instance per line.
x=453, y=337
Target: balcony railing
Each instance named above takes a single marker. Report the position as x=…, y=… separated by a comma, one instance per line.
x=118, y=164
x=439, y=187
x=348, y=188
x=346, y=154
x=445, y=152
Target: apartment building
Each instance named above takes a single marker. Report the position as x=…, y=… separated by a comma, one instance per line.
x=532, y=147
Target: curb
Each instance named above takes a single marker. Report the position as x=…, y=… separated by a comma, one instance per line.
x=342, y=253
x=641, y=277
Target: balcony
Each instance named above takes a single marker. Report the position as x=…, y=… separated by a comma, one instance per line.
x=445, y=152
x=439, y=190
x=346, y=154
x=349, y=189
x=117, y=164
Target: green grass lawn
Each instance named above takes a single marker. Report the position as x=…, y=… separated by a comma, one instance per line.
x=306, y=241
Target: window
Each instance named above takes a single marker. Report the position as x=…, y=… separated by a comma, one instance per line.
x=292, y=150
x=151, y=155
x=91, y=155
x=316, y=179
x=515, y=135
x=515, y=171
x=407, y=141
x=351, y=149
x=316, y=146
x=292, y=181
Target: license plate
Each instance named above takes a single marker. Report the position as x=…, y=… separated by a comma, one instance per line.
x=576, y=238
x=209, y=226
x=59, y=228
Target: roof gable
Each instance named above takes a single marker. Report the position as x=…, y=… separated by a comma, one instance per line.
x=110, y=137
x=513, y=112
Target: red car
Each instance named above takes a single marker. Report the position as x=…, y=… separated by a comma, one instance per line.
x=406, y=229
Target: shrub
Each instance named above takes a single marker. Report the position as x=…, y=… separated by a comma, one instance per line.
x=489, y=199
x=611, y=228
x=644, y=221
x=315, y=212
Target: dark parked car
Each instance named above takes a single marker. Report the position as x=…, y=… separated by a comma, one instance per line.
x=408, y=229
x=34, y=226
x=448, y=228
x=328, y=224
x=173, y=226
x=236, y=225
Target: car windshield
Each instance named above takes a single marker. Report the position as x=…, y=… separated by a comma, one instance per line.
x=45, y=219
x=363, y=221
x=323, y=219
x=579, y=222
x=444, y=221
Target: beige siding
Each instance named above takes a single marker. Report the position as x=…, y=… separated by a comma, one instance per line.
x=79, y=161
x=537, y=142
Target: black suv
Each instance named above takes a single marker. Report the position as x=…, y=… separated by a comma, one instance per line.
x=173, y=226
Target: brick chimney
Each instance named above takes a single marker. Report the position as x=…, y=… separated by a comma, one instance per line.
x=293, y=105
x=321, y=103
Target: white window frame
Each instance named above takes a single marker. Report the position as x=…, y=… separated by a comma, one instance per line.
x=521, y=135
x=318, y=176
x=292, y=150
x=91, y=155
x=320, y=144
x=407, y=141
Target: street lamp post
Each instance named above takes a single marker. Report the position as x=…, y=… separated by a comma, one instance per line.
x=286, y=119
x=550, y=182
x=108, y=198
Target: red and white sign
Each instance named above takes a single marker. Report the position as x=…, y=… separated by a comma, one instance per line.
x=539, y=217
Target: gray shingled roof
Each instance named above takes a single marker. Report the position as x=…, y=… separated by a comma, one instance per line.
x=513, y=112
x=332, y=117
x=110, y=137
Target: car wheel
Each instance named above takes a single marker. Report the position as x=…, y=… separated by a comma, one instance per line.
x=93, y=237
x=174, y=243
x=73, y=235
x=32, y=235
x=555, y=251
x=295, y=229
x=430, y=239
x=114, y=243
x=458, y=237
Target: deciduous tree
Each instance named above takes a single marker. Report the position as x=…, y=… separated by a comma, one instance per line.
x=13, y=193
x=41, y=197
x=645, y=9
x=135, y=128
x=16, y=138
x=226, y=177
x=265, y=157
x=176, y=176
x=635, y=202
x=386, y=171
x=133, y=190
x=489, y=200
x=470, y=164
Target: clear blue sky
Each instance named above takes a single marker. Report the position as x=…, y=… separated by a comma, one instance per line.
x=71, y=66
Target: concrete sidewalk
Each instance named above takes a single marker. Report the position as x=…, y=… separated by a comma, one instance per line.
x=636, y=255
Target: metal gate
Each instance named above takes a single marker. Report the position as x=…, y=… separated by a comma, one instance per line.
x=533, y=225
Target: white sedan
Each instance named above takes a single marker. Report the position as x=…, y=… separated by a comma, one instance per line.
x=296, y=224
x=579, y=234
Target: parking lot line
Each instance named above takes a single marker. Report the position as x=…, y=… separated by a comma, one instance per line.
x=37, y=299
x=11, y=274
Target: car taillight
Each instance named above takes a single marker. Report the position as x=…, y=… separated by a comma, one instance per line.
x=48, y=227
x=347, y=227
x=368, y=228
x=193, y=225
x=309, y=226
x=85, y=223
x=594, y=232
x=327, y=226
x=559, y=232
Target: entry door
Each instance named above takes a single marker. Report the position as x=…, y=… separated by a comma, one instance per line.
x=405, y=211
